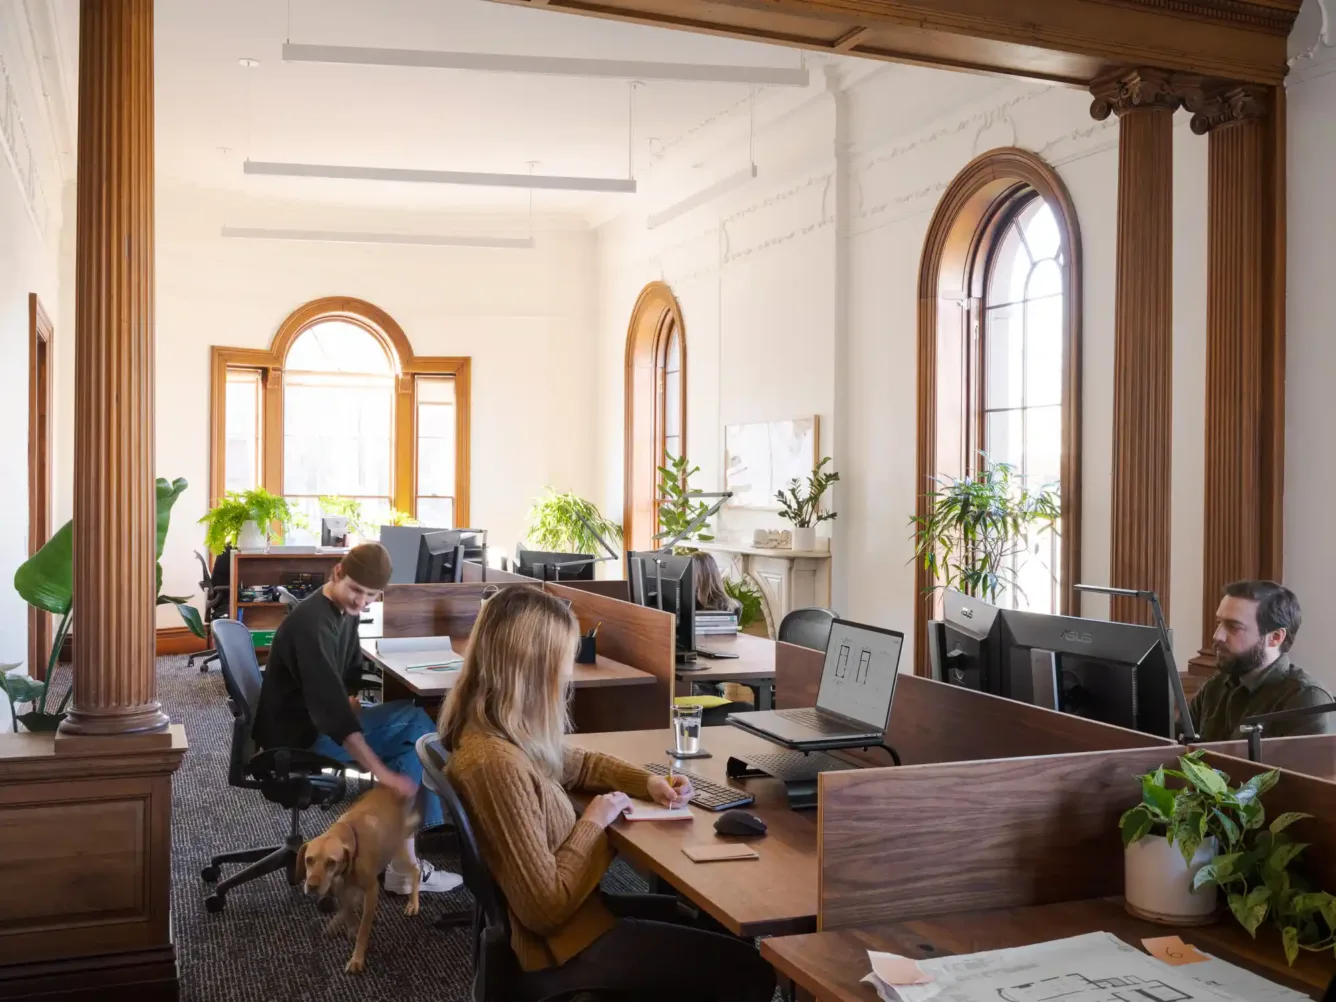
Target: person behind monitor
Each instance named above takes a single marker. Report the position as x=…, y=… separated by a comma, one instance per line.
x=1256, y=625
x=504, y=725
x=710, y=594
x=308, y=699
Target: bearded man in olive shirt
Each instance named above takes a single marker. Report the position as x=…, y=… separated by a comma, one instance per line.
x=1255, y=627
x=309, y=699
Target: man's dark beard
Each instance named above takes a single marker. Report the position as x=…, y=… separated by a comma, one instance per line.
x=1239, y=665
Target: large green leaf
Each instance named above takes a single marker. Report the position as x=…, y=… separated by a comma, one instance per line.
x=46, y=579
x=1287, y=819
x=21, y=688
x=167, y=493
x=1204, y=778
x=1290, y=938
x=192, y=619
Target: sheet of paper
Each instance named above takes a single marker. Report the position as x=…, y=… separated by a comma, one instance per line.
x=418, y=654
x=896, y=970
x=653, y=812
x=406, y=645
x=1235, y=982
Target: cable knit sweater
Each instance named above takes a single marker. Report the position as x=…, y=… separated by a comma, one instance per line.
x=547, y=862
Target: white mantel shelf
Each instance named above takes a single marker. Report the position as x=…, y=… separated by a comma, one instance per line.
x=779, y=553
x=788, y=579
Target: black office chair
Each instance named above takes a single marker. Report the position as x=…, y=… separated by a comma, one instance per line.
x=808, y=628
x=291, y=777
x=214, y=585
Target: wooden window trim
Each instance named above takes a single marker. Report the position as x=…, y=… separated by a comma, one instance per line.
x=40, y=440
x=407, y=366
x=953, y=268
x=656, y=312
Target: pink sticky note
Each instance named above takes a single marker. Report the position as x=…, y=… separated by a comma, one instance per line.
x=896, y=970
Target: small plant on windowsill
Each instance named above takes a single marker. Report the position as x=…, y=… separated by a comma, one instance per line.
x=677, y=508
x=555, y=525
x=249, y=520
x=801, y=505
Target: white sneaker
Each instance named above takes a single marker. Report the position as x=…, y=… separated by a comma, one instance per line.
x=433, y=881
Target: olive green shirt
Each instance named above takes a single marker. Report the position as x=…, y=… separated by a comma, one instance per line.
x=1222, y=703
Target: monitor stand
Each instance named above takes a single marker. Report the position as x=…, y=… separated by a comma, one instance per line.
x=686, y=658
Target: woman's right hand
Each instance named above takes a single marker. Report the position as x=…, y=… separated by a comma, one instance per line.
x=606, y=808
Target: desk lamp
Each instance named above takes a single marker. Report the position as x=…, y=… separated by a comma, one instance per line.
x=1252, y=726
x=1175, y=683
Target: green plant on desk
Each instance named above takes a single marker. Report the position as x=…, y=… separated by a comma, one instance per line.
x=1252, y=865
x=748, y=596
x=46, y=582
x=271, y=514
x=555, y=524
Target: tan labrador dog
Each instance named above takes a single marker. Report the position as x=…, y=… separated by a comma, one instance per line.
x=353, y=852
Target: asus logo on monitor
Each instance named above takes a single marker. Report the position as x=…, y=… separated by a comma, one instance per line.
x=1078, y=638
x=967, y=612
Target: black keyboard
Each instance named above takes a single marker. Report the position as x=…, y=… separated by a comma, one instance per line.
x=710, y=796
x=819, y=722
x=795, y=766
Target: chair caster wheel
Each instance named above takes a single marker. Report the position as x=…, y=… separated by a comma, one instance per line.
x=215, y=903
x=210, y=874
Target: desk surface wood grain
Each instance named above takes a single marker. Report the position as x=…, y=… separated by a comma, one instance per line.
x=755, y=660
x=604, y=672
x=775, y=894
x=831, y=965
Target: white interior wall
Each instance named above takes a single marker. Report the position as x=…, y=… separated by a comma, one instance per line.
x=774, y=290
x=1310, y=405
x=523, y=316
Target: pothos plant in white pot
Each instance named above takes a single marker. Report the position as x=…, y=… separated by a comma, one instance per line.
x=800, y=504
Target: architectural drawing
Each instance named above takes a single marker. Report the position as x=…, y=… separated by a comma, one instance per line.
x=864, y=661
x=842, y=661
x=1079, y=988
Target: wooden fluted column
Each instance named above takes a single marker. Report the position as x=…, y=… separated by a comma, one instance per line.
x=114, y=583
x=1144, y=102
x=1239, y=333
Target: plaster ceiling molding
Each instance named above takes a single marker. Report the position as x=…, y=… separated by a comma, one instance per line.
x=1312, y=43
x=918, y=202
x=996, y=131
x=1091, y=138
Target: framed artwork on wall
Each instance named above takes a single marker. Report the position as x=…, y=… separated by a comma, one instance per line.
x=760, y=459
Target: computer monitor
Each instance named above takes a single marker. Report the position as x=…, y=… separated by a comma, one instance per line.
x=402, y=542
x=440, y=557
x=964, y=642
x=667, y=582
x=554, y=566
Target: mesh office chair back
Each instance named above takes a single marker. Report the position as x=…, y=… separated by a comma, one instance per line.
x=807, y=628
x=241, y=675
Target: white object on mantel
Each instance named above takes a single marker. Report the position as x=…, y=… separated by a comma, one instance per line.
x=789, y=579
x=1158, y=882
x=772, y=539
x=251, y=539
x=804, y=537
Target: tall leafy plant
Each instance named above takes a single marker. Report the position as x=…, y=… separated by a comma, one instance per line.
x=555, y=524
x=677, y=508
x=46, y=581
x=801, y=503
x=270, y=513
x=975, y=525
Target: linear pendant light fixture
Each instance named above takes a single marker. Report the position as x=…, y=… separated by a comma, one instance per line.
x=554, y=183
x=341, y=236
x=706, y=195
x=496, y=62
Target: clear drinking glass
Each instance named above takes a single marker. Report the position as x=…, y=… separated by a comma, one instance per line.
x=686, y=729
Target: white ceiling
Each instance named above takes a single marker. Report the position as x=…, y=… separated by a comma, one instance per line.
x=417, y=118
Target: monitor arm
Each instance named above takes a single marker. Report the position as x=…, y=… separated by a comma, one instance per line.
x=1252, y=726
x=1175, y=683
x=611, y=553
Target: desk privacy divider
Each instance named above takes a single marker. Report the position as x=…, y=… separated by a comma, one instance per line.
x=933, y=722
x=472, y=574
x=1310, y=754
x=618, y=588
x=636, y=636
x=897, y=844
x=435, y=610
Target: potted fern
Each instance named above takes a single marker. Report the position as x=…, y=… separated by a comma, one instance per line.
x=248, y=520
x=975, y=525
x=562, y=523
x=801, y=505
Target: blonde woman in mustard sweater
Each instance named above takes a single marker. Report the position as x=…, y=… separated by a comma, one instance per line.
x=505, y=724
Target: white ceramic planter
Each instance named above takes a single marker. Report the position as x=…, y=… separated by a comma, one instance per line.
x=804, y=539
x=1158, y=882
x=251, y=538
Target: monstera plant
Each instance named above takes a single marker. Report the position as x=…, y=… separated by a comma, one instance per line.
x=46, y=581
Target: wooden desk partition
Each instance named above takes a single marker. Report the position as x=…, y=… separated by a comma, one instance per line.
x=472, y=574
x=1311, y=754
x=636, y=636
x=618, y=588
x=434, y=610
x=935, y=722
x=918, y=841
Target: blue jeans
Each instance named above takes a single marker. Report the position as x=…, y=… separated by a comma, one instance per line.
x=392, y=729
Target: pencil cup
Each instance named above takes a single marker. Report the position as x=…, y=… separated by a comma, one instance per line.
x=586, y=653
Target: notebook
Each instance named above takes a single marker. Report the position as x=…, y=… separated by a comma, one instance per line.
x=653, y=812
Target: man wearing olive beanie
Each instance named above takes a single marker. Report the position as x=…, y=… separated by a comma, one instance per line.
x=309, y=698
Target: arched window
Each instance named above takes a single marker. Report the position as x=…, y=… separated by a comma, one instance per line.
x=656, y=407
x=999, y=354
x=341, y=405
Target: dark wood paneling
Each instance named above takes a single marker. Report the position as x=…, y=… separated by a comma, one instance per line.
x=142, y=975
x=1311, y=754
x=435, y=610
x=613, y=588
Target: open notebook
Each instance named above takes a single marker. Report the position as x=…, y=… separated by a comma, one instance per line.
x=418, y=654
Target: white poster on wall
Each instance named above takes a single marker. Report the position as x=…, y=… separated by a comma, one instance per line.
x=760, y=459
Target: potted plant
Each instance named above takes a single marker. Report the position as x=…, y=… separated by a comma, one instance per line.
x=976, y=524
x=748, y=597
x=561, y=523
x=804, y=509
x=677, y=508
x=248, y=520
x=46, y=581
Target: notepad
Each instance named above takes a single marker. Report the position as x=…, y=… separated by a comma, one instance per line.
x=719, y=853
x=418, y=654
x=652, y=812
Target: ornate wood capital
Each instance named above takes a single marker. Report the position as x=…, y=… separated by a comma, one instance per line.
x=1132, y=90
x=1224, y=104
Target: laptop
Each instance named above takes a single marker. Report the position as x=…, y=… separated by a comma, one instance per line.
x=853, y=705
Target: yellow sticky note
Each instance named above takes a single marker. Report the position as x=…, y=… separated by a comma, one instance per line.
x=896, y=970
x=1173, y=951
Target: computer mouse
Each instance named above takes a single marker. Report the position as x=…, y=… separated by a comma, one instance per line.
x=739, y=823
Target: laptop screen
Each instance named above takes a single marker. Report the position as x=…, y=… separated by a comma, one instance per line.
x=859, y=677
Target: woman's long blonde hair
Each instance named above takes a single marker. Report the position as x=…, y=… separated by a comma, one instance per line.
x=516, y=675
x=710, y=594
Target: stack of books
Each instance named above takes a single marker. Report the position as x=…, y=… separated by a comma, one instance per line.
x=716, y=623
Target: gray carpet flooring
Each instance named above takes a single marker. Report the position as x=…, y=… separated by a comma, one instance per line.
x=267, y=946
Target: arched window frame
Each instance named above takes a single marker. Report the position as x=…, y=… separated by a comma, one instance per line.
x=407, y=366
x=655, y=318
x=965, y=231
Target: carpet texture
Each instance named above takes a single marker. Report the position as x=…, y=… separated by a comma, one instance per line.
x=267, y=944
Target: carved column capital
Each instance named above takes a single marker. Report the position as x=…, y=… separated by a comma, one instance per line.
x=1133, y=90
x=1217, y=105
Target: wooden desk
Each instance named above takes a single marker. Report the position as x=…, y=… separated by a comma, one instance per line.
x=754, y=666
x=773, y=895
x=830, y=965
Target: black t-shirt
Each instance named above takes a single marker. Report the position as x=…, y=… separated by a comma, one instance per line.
x=315, y=663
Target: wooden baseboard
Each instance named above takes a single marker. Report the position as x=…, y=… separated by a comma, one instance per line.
x=144, y=975
x=170, y=640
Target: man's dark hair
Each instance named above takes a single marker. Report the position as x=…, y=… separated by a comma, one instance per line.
x=1277, y=608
